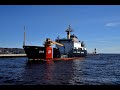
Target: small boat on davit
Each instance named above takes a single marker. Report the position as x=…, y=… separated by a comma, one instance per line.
x=66, y=49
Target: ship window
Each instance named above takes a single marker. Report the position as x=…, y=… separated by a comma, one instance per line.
x=79, y=48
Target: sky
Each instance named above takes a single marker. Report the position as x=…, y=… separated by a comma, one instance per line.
x=97, y=25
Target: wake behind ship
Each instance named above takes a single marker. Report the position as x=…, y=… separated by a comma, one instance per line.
x=65, y=48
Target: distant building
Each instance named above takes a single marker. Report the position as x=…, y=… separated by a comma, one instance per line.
x=12, y=51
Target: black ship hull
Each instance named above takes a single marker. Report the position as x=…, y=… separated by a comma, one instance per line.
x=39, y=53
x=34, y=52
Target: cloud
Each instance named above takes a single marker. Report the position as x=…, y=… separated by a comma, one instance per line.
x=108, y=42
x=111, y=49
x=112, y=24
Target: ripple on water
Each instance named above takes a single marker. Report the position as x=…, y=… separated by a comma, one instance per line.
x=100, y=69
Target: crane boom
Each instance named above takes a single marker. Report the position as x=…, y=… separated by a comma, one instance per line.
x=57, y=43
x=49, y=42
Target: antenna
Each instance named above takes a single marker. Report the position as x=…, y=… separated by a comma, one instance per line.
x=24, y=37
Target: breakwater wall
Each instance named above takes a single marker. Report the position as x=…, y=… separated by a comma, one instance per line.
x=12, y=55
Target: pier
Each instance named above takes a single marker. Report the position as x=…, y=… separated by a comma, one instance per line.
x=12, y=55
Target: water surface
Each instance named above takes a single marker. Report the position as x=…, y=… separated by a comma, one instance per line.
x=102, y=69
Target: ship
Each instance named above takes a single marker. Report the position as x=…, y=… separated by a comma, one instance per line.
x=65, y=48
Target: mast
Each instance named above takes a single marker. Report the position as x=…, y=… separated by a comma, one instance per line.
x=24, y=37
x=68, y=32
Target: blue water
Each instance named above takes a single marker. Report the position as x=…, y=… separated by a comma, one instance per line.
x=102, y=69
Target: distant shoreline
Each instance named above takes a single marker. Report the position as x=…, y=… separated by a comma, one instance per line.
x=104, y=53
x=12, y=55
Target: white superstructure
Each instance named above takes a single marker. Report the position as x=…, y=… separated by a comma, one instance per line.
x=70, y=44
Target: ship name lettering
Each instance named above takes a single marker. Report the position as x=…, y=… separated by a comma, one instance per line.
x=41, y=51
